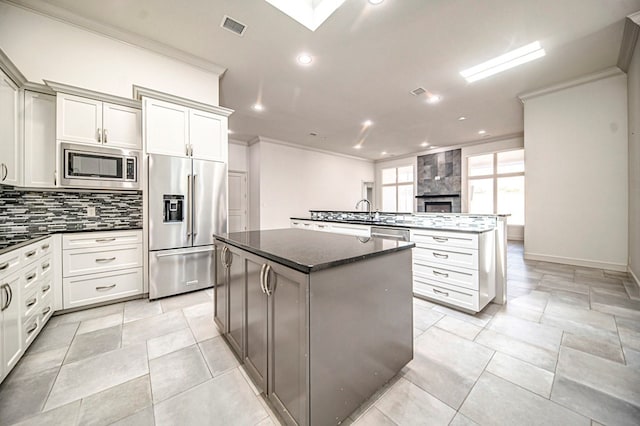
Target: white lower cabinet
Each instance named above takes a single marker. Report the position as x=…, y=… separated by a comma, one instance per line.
x=454, y=268
x=100, y=266
x=334, y=227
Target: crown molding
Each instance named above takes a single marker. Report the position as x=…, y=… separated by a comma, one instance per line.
x=258, y=139
x=86, y=93
x=629, y=40
x=237, y=142
x=11, y=70
x=39, y=88
x=139, y=92
x=600, y=75
x=59, y=14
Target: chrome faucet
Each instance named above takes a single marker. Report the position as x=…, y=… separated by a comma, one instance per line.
x=368, y=206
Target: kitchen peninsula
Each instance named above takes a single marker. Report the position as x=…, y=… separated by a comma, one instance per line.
x=320, y=321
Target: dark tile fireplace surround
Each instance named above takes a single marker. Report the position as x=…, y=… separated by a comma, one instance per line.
x=440, y=182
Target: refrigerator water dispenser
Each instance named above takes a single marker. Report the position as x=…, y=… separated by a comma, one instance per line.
x=173, y=208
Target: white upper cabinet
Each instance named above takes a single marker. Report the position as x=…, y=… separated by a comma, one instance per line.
x=166, y=128
x=91, y=121
x=10, y=146
x=208, y=136
x=39, y=140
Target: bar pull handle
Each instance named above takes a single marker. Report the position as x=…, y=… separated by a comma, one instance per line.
x=441, y=239
x=31, y=276
x=194, y=231
x=5, y=170
x=440, y=255
x=267, y=287
x=30, y=253
x=46, y=288
x=46, y=310
x=99, y=134
x=45, y=246
x=31, y=302
x=440, y=274
x=223, y=260
x=444, y=293
x=104, y=132
x=45, y=266
x=105, y=287
x=32, y=328
x=4, y=266
x=106, y=259
x=4, y=288
x=105, y=240
x=189, y=212
x=264, y=266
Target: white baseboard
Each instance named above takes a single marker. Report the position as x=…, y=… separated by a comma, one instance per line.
x=620, y=267
x=633, y=276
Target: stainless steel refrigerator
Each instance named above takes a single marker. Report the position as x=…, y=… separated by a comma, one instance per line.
x=187, y=205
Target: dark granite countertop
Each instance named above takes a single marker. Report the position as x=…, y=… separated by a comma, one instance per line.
x=407, y=225
x=310, y=251
x=8, y=245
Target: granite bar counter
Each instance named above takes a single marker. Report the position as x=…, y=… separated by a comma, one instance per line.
x=320, y=321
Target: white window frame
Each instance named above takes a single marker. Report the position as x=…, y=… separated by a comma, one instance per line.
x=398, y=184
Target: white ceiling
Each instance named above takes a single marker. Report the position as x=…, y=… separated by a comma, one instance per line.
x=368, y=58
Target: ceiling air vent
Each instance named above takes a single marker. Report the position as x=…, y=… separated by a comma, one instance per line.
x=233, y=25
x=417, y=92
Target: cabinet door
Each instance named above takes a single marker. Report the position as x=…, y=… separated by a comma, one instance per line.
x=122, y=126
x=10, y=147
x=220, y=308
x=208, y=135
x=79, y=119
x=166, y=128
x=11, y=324
x=256, y=324
x=289, y=342
x=236, y=283
x=39, y=140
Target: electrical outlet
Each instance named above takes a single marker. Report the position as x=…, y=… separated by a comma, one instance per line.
x=91, y=211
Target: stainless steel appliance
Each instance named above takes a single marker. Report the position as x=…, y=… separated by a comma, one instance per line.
x=401, y=234
x=86, y=166
x=187, y=205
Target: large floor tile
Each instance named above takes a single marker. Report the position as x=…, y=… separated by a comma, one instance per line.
x=184, y=300
x=458, y=327
x=531, y=332
x=588, y=317
x=94, y=343
x=140, y=309
x=495, y=401
x=65, y=415
x=629, y=331
x=564, y=285
x=405, y=403
x=201, y=322
x=168, y=343
x=434, y=369
x=35, y=363
x=100, y=323
x=143, y=417
x=423, y=318
x=54, y=338
x=176, y=372
x=218, y=356
x=142, y=330
x=616, y=305
x=535, y=301
x=521, y=373
x=519, y=311
x=374, y=417
x=479, y=319
x=632, y=358
x=92, y=375
x=116, y=403
x=24, y=397
x=462, y=420
x=524, y=351
x=224, y=400
x=87, y=314
x=594, y=346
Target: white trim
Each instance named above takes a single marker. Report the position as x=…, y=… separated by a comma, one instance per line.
x=629, y=39
x=600, y=75
x=10, y=69
x=576, y=262
x=633, y=276
x=59, y=14
x=306, y=148
x=139, y=92
x=237, y=142
x=87, y=93
x=38, y=88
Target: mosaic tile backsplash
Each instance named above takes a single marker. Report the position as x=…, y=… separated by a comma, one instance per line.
x=28, y=214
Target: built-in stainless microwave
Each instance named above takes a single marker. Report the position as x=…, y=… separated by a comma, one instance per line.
x=85, y=166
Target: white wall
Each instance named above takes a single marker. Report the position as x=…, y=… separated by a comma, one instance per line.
x=633, y=85
x=294, y=180
x=576, y=175
x=45, y=48
x=238, y=156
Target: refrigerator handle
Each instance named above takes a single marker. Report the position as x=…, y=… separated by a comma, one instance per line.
x=194, y=231
x=189, y=208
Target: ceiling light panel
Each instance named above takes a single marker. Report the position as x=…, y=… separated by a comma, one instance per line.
x=304, y=59
x=504, y=62
x=310, y=13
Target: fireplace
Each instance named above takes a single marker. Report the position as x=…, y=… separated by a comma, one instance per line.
x=438, y=206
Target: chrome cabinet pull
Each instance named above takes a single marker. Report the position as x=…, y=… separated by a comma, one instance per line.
x=30, y=277
x=30, y=253
x=105, y=240
x=194, y=230
x=444, y=293
x=186, y=149
x=104, y=132
x=222, y=259
x=267, y=287
x=262, y=287
x=45, y=265
x=441, y=239
x=46, y=288
x=4, y=266
x=45, y=246
x=440, y=256
x=32, y=328
x=440, y=274
x=189, y=211
x=99, y=135
x=105, y=287
x=31, y=302
x=5, y=171
x=46, y=310
x=4, y=288
x=106, y=259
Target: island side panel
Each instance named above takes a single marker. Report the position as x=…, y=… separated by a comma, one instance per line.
x=361, y=332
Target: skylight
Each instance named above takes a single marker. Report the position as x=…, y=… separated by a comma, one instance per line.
x=503, y=62
x=310, y=13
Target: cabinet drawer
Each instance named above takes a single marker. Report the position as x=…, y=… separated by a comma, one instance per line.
x=30, y=278
x=101, y=239
x=462, y=277
x=45, y=266
x=444, y=239
x=31, y=328
x=46, y=308
x=45, y=288
x=450, y=256
x=467, y=299
x=89, y=261
x=10, y=262
x=30, y=302
x=97, y=288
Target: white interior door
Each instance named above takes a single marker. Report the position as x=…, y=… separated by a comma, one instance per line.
x=237, y=201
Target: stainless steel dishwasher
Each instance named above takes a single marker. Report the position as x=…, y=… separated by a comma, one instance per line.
x=400, y=234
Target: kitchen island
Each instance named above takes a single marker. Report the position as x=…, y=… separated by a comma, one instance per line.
x=320, y=321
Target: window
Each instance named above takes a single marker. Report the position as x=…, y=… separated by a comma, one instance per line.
x=496, y=184
x=397, y=189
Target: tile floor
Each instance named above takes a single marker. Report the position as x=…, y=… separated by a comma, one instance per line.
x=564, y=350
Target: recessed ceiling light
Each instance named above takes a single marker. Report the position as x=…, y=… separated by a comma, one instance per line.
x=504, y=62
x=462, y=118
x=374, y=2
x=304, y=59
x=357, y=146
x=367, y=123
x=424, y=144
x=482, y=132
x=229, y=131
x=433, y=99
x=384, y=153
x=258, y=107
